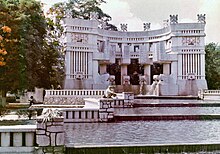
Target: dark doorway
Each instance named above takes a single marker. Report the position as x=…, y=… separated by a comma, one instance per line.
x=156, y=69
x=134, y=70
x=115, y=69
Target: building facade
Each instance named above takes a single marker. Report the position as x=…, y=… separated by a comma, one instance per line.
x=167, y=61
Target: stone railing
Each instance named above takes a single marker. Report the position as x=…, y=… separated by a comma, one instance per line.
x=17, y=139
x=209, y=94
x=79, y=93
x=80, y=115
x=70, y=100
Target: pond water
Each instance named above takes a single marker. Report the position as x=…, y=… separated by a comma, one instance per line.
x=149, y=132
x=143, y=132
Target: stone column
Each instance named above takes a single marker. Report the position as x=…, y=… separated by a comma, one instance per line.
x=17, y=138
x=147, y=70
x=29, y=139
x=5, y=139
x=95, y=66
x=68, y=63
x=102, y=68
x=166, y=69
x=180, y=66
x=202, y=63
x=124, y=69
x=91, y=66
x=174, y=70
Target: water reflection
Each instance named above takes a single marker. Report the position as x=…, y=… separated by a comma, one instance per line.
x=143, y=132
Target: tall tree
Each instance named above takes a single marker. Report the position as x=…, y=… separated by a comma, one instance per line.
x=212, y=63
x=80, y=9
x=30, y=48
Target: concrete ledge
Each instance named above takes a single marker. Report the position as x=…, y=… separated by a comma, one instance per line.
x=22, y=150
x=18, y=128
x=177, y=104
x=134, y=117
x=56, y=106
x=164, y=97
x=143, y=148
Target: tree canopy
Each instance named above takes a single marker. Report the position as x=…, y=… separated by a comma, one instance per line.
x=31, y=56
x=212, y=63
x=80, y=9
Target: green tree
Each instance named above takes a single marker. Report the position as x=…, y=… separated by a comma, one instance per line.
x=212, y=63
x=80, y=9
x=31, y=48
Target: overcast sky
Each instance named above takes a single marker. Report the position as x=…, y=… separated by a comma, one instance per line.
x=136, y=12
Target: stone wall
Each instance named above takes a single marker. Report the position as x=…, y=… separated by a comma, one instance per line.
x=106, y=111
x=50, y=135
x=107, y=105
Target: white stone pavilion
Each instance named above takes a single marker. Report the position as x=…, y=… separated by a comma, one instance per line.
x=170, y=60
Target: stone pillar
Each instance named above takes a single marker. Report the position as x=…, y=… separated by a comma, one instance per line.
x=68, y=63
x=50, y=135
x=29, y=139
x=128, y=99
x=102, y=68
x=106, y=110
x=166, y=69
x=202, y=66
x=174, y=70
x=180, y=67
x=124, y=70
x=5, y=139
x=95, y=73
x=92, y=66
x=147, y=70
x=17, y=138
x=38, y=94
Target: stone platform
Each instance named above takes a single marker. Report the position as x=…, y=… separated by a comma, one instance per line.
x=182, y=148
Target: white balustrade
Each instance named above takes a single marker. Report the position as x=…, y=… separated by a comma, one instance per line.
x=17, y=136
x=72, y=93
x=209, y=94
x=80, y=115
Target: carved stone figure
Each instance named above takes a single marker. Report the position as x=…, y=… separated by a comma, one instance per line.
x=109, y=92
x=124, y=27
x=68, y=13
x=165, y=23
x=173, y=19
x=126, y=80
x=103, y=24
x=111, y=80
x=143, y=82
x=154, y=87
x=146, y=26
x=201, y=18
x=93, y=15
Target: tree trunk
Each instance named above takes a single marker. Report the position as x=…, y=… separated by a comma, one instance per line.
x=2, y=98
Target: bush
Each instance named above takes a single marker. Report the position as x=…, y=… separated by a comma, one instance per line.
x=10, y=99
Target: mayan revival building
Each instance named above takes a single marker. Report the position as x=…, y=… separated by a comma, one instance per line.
x=167, y=61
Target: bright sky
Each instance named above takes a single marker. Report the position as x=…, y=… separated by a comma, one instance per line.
x=136, y=12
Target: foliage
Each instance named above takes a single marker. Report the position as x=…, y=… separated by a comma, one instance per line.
x=4, y=39
x=212, y=63
x=50, y=114
x=30, y=48
x=80, y=9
